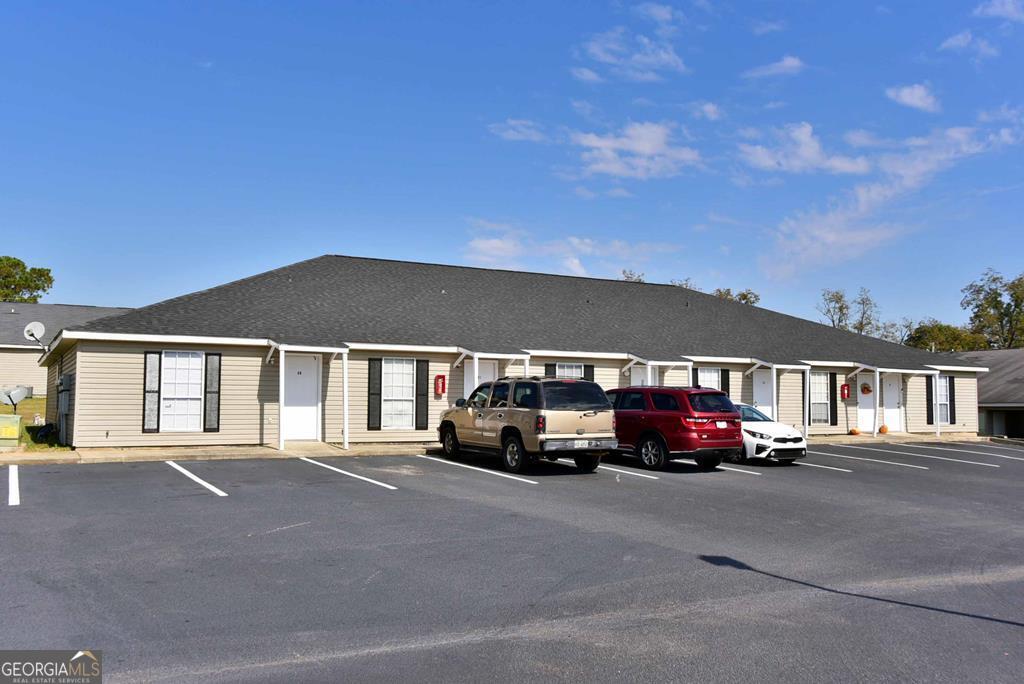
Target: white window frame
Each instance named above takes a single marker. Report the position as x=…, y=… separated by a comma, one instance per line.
x=942, y=385
x=716, y=383
x=164, y=396
x=386, y=418
x=567, y=369
x=827, y=402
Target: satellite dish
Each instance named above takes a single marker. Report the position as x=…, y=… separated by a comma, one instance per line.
x=13, y=397
x=35, y=331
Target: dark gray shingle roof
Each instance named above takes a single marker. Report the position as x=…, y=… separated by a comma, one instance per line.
x=1004, y=383
x=331, y=300
x=14, y=316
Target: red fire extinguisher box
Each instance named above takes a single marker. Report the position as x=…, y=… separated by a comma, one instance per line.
x=439, y=384
x=844, y=391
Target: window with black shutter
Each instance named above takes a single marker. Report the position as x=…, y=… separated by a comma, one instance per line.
x=373, y=395
x=422, y=390
x=211, y=394
x=151, y=392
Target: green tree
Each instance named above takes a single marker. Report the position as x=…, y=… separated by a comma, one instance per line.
x=997, y=309
x=937, y=336
x=835, y=307
x=747, y=296
x=19, y=283
x=687, y=283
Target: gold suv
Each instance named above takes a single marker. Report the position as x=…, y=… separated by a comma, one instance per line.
x=525, y=419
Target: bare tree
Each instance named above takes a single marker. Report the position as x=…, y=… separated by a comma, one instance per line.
x=632, y=276
x=835, y=308
x=897, y=331
x=687, y=283
x=747, y=296
x=864, y=320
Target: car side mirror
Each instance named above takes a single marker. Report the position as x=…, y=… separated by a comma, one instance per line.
x=460, y=402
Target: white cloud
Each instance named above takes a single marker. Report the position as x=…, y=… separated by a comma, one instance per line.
x=775, y=104
x=917, y=96
x=787, y=66
x=633, y=56
x=574, y=266
x=584, y=192
x=860, y=137
x=966, y=41
x=619, y=192
x=518, y=129
x=848, y=229
x=760, y=28
x=706, y=110
x=666, y=17
x=749, y=132
x=1011, y=10
x=799, y=151
x=641, y=150
x=586, y=75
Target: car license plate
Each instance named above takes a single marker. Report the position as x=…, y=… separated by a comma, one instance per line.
x=721, y=423
x=581, y=443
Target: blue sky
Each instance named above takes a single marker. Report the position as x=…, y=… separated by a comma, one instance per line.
x=155, y=149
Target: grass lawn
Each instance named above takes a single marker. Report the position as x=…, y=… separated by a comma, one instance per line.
x=28, y=410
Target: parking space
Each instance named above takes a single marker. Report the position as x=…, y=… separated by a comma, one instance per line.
x=369, y=565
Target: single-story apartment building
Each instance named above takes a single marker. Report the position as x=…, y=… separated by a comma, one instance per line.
x=350, y=350
x=19, y=356
x=1000, y=391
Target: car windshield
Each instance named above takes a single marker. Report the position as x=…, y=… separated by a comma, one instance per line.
x=570, y=395
x=752, y=415
x=711, y=403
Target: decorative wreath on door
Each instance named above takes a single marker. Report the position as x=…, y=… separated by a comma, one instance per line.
x=865, y=388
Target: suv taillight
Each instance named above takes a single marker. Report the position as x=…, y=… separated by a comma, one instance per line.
x=614, y=424
x=540, y=425
x=737, y=422
x=694, y=422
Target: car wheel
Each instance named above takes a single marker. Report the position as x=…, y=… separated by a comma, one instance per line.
x=651, y=453
x=513, y=455
x=449, y=442
x=708, y=462
x=587, y=463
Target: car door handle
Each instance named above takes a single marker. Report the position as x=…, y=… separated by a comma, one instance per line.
x=501, y=415
x=479, y=415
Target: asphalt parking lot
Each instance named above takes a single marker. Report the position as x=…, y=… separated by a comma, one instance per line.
x=874, y=562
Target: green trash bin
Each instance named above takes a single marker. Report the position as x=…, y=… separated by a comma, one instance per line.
x=10, y=430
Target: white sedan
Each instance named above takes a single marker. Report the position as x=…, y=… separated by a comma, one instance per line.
x=764, y=438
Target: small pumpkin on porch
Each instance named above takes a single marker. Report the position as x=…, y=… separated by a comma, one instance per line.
x=854, y=431
x=884, y=429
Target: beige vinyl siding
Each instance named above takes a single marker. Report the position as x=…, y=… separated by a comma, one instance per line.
x=790, y=387
x=677, y=377
x=21, y=367
x=332, y=399
x=109, y=388
x=51, y=393
x=966, y=404
x=358, y=383
x=847, y=408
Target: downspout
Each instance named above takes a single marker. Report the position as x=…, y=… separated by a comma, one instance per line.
x=807, y=402
x=280, y=399
x=935, y=405
x=775, y=400
x=344, y=400
x=878, y=389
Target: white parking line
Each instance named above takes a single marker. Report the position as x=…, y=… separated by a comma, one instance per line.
x=13, y=492
x=989, y=444
x=482, y=470
x=739, y=470
x=907, y=453
x=873, y=460
x=345, y=472
x=968, y=451
x=614, y=470
x=194, y=478
x=816, y=465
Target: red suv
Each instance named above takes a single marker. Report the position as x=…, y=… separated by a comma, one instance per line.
x=664, y=423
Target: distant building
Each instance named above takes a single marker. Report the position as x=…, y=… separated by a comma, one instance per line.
x=19, y=357
x=1000, y=391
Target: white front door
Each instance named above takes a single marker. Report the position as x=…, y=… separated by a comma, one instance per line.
x=892, y=401
x=763, y=393
x=488, y=371
x=301, y=389
x=638, y=376
x=865, y=402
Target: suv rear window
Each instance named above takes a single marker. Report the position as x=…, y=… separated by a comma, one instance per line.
x=664, y=402
x=711, y=403
x=574, y=396
x=526, y=395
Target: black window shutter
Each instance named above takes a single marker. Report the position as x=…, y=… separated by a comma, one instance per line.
x=151, y=392
x=422, y=388
x=833, y=400
x=929, y=397
x=588, y=372
x=724, y=382
x=695, y=383
x=550, y=370
x=952, y=401
x=373, y=395
x=211, y=394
